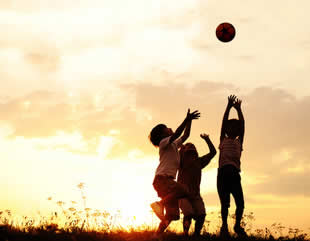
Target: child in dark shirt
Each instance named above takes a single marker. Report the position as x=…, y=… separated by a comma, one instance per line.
x=190, y=176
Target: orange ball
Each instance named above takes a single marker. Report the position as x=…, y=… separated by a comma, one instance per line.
x=225, y=32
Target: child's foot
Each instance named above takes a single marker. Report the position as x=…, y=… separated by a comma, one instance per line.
x=240, y=231
x=224, y=233
x=158, y=209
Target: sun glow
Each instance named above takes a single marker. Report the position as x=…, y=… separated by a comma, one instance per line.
x=134, y=213
x=130, y=195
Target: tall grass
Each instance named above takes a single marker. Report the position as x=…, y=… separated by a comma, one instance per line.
x=70, y=222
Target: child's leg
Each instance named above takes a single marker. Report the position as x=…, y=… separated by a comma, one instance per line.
x=177, y=191
x=224, y=214
x=238, y=196
x=162, y=185
x=163, y=225
x=200, y=219
x=200, y=213
x=169, y=190
x=223, y=189
x=172, y=213
x=187, y=220
x=188, y=212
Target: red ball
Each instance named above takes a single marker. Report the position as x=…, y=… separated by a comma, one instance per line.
x=225, y=32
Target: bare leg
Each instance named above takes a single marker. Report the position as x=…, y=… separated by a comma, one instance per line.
x=224, y=214
x=178, y=193
x=239, y=200
x=187, y=220
x=163, y=225
x=199, y=224
x=224, y=190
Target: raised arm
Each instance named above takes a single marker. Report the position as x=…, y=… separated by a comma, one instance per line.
x=187, y=131
x=186, y=123
x=231, y=100
x=205, y=160
x=237, y=106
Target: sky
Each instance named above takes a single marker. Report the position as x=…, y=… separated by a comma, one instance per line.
x=83, y=83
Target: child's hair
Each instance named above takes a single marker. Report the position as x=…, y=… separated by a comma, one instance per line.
x=233, y=128
x=156, y=134
x=193, y=149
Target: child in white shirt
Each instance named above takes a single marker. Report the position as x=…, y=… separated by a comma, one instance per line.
x=169, y=162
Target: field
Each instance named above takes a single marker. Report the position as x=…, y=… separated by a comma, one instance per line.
x=92, y=226
x=48, y=234
x=79, y=223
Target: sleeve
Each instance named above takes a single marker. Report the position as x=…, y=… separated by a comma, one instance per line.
x=178, y=142
x=164, y=142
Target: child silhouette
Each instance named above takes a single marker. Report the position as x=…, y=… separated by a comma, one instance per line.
x=228, y=178
x=169, y=161
x=190, y=176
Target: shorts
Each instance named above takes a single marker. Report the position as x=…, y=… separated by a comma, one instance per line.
x=229, y=182
x=165, y=185
x=193, y=206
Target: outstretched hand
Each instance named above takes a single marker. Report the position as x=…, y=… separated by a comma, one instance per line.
x=237, y=104
x=192, y=116
x=231, y=100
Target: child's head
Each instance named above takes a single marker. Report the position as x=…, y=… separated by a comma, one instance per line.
x=188, y=150
x=233, y=128
x=158, y=133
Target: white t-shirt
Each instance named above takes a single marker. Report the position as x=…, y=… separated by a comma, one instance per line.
x=169, y=157
x=230, y=152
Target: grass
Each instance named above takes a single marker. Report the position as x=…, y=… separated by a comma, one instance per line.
x=47, y=234
x=74, y=224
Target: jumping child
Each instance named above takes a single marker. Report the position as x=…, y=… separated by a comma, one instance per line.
x=190, y=176
x=228, y=178
x=169, y=161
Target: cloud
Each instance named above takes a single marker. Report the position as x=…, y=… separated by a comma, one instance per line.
x=46, y=62
x=43, y=113
x=68, y=44
x=281, y=119
x=276, y=141
x=276, y=135
x=173, y=97
x=286, y=184
x=40, y=113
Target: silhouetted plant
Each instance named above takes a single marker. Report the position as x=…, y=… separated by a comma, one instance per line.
x=96, y=224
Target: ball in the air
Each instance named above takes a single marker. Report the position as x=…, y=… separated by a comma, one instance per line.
x=225, y=32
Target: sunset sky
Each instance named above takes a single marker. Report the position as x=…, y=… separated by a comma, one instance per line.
x=84, y=81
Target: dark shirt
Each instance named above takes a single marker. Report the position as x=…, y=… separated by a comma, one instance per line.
x=190, y=174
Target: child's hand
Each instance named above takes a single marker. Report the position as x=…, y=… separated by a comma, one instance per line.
x=181, y=146
x=231, y=100
x=237, y=104
x=204, y=136
x=193, y=115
